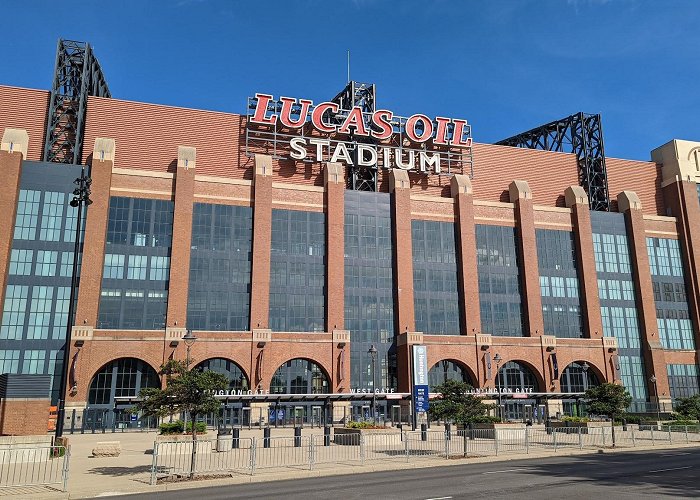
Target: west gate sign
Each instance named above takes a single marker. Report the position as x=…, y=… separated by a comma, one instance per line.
x=289, y=128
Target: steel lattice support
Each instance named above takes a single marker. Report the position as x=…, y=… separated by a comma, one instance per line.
x=362, y=95
x=581, y=134
x=77, y=75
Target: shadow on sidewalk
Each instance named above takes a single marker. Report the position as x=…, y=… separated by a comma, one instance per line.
x=122, y=471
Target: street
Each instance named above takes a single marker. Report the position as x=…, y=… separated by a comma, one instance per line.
x=657, y=474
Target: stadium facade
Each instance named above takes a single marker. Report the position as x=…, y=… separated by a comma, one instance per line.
x=289, y=252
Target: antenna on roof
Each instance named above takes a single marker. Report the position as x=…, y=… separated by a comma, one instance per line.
x=348, y=66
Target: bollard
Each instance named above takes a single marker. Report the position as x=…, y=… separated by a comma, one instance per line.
x=548, y=424
x=266, y=437
x=448, y=431
x=624, y=424
x=297, y=437
x=423, y=432
x=72, y=422
x=236, y=438
x=470, y=428
x=326, y=435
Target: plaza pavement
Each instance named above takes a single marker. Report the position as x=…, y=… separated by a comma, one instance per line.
x=130, y=472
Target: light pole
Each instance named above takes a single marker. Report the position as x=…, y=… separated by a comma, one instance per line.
x=652, y=379
x=81, y=196
x=189, y=340
x=585, y=366
x=373, y=353
x=497, y=358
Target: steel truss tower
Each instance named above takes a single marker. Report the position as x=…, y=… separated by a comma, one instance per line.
x=581, y=134
x=363, y=95
x=77, y=75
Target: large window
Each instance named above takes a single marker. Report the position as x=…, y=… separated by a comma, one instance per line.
x=237, y=379
x=123, y=377
x=683, y=380
x=445, y=370
x=618, y=307
x=499, y=281
x=136, y=269
x=672, y=312
x=299, y=376
x=298, y=271
x=369, y=287
x=220, y=267
x=515, y=376
x=577, y=377
x=435, y=277
x=559, y=286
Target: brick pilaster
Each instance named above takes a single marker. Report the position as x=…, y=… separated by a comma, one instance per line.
x=13, y=149
x=400, y=186
x=182, y=240
x=577, y=201
x=654, y=356
x=262, y=239
x=95, y=233
x=334, y=178
x=521, y=196
x=466, y=249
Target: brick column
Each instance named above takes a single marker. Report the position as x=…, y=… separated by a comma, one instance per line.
x=13, y=149
x=521, y=196
x=577, y=201
x=654, y=357
x=95, y=233
x=681, y=196
x=466, y=249
x=334, y=179
x=182, y=240
x=262, y=239
x=400, y=186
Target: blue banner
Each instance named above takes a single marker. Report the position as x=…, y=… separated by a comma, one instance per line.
x=421, y=398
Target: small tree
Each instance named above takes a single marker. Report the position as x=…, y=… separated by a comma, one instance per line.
x=456, y=404
x=187, y=391
x=689, y=407
x=608, y=399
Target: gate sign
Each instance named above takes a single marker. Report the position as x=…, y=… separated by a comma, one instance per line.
x=421, y=393
x=290, y=128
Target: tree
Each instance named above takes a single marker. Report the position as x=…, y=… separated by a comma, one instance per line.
x=689, y=407
x=608, y=399
x=186, y=391
x=456, y=404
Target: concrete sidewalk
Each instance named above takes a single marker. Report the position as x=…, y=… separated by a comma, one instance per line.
x=130, y=472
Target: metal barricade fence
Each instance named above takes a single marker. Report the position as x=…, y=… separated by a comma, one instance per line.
x=34, y=465
x=383, y=445
x=283, y=452
x=174, y=458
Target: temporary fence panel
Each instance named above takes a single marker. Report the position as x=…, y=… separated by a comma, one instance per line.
x=34, y=465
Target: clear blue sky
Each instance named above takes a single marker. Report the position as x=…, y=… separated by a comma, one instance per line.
x=506, y=66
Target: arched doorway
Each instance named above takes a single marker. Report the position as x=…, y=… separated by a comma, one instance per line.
x=110, y=390
x=232, y=412
x=517, y=378
x=299, y=376
x=445, y=370
x=576, y=377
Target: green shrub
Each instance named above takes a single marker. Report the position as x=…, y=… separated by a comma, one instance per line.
x=484, y=419
x=575, y=419
x=177, y=427
x=367, y=424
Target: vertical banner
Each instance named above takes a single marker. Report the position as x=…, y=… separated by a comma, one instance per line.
x=421, y=395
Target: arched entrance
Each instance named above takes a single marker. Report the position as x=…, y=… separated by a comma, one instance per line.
x=232, y=413
x=299, y=376
x=110, y=390
x=576, y=377
x=445, y=370
x=517, y=378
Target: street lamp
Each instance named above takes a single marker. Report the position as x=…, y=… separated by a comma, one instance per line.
x=373, y=352
x=585, y=366
x=189, y=340
x=497, y=358
x=652, y=379
x=81, y=196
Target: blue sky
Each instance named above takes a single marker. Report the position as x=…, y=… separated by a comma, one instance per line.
x=506, y=66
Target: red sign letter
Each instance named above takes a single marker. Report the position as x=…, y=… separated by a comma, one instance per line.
x=317, y=116
x=286, y=113
x=411, y=128
x=354, y=119
x=382, y=119
x=261, y=110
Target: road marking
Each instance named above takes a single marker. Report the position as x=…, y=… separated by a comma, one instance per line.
x=674, y=468
x=675, y=454
x=506, y=470
x=439, y=498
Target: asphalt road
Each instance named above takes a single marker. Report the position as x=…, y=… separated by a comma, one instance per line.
x=650, y=474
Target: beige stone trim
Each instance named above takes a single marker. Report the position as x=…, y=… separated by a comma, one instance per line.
x=222, y=180
x=661, y=218
x=248, y=201
x=418, y=215
x=186, y=157
x=433, y=199
x=297, y=187
x=498, y=204
x=495, y=219
x=130, y=172
x=104, y=149
x=664, y=233
x=143, y=191
x=561, y=210
x=555, y=224
x=297, y=204
x=15, y=140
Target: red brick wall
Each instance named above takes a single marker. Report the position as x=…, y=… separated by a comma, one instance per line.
x=24, y=417
x=25, y=109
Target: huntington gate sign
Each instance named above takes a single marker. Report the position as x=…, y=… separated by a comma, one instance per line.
x=296, y=129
